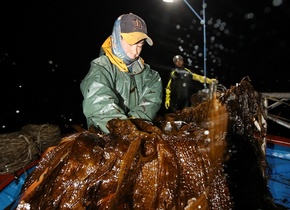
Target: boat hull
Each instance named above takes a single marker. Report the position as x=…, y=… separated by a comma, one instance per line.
x=278, y=158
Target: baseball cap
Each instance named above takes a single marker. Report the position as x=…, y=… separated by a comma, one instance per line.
x=134, y=29
x=177, y=57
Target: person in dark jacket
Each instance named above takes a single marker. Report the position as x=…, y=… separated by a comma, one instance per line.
x=182, y=84
x=119, y=83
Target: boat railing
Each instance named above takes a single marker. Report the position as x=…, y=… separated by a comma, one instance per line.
x=277, y=99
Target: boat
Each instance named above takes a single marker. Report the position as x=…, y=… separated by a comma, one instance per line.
x=278, y=147
x=11, y=184
x=278, y=158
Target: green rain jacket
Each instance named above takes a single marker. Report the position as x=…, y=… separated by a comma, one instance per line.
x=111, y=91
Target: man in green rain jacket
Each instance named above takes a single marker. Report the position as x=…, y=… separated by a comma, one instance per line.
x=119, y=84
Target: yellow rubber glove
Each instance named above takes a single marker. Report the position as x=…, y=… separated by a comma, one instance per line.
x=214, y=81
x=167, y=98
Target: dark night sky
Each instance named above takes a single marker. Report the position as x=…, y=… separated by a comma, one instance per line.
x=46, y=48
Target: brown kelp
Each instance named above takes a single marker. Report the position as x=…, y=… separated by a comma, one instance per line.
x=182, y=160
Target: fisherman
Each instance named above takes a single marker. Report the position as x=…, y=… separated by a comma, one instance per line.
x=119, y=83
x=182, y=85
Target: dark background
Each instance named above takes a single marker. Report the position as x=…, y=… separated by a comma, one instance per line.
x=46, y=48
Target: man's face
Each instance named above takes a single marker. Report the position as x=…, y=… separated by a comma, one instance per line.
x=132, y=51
x=179, y=63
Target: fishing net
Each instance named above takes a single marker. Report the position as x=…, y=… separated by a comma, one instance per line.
x=20, y=148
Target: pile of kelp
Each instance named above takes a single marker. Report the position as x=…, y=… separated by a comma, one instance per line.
x=210, y=156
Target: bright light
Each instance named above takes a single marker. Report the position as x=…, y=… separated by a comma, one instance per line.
x=169, y=1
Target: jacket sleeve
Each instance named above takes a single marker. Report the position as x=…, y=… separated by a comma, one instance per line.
x=100, y=101
x=151, y=97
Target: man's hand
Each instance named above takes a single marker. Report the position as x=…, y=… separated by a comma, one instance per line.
x=214, y=81
x=167, y=104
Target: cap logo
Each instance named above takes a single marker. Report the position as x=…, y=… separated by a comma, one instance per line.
x=137, y=23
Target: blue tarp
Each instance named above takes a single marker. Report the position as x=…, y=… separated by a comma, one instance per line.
x=11, y=192
x=278, y=158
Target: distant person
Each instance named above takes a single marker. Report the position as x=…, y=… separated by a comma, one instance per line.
x=181, y=85
x=119, y=83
